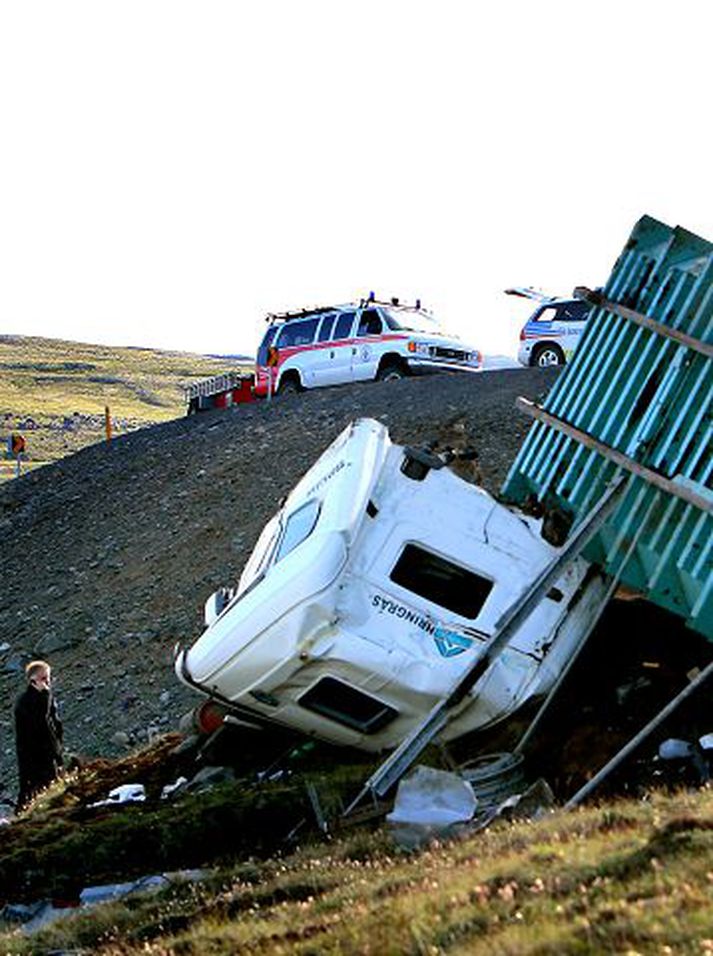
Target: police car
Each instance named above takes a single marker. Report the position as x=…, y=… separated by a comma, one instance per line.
x=553, y=331
x=362, y=341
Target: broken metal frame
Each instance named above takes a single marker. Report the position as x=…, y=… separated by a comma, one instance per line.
x=609, y=594
x=639, y=738
x=398, y=762
x=685, y=492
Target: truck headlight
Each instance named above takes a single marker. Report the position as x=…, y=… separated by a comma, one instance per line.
x=421, y=348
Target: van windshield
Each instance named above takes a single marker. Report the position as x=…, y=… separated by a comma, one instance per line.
x=412, y=320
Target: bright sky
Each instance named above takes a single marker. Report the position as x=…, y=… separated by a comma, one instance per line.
x=170, y=170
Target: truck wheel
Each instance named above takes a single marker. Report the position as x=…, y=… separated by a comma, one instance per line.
x=390, y=373
x=545, y=355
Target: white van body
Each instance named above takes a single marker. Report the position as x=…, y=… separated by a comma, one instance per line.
x=356, y=342
x=371, y=591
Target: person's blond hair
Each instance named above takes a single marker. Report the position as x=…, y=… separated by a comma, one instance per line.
x=34, y=668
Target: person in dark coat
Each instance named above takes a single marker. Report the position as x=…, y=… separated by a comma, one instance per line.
x=38, y=734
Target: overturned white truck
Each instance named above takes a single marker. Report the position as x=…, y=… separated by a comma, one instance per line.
x=374, y=588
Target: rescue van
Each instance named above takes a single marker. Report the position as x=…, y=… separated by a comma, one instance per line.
x=373, y=589
x=363, y=341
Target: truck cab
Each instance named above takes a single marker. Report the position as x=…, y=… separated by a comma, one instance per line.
x=372, y=589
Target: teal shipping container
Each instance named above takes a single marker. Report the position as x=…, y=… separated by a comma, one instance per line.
x=635, y=404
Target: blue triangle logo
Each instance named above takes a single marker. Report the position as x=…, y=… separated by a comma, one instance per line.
x=450, y=644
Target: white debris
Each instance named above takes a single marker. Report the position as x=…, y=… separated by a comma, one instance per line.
x=174, y=787
x=126, y=793
x=433, y=797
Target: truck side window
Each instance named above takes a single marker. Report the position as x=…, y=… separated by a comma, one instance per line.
x=325, y=332
x=446, y=584
x=265, y=344
x=344, y=325
x=370, y=323
x=298, y=527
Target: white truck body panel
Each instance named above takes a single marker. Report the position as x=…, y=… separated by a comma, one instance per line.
x=344, y=637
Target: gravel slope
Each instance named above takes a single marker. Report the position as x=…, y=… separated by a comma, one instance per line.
x=109, y=555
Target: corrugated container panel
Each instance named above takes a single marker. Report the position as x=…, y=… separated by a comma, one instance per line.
x=635, y=392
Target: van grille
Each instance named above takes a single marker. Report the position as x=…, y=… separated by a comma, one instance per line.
x=453, y=355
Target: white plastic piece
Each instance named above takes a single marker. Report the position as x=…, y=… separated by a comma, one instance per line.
x=126, y=793
x=433, y=798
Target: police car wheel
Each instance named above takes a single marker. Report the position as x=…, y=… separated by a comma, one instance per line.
x=547, y=355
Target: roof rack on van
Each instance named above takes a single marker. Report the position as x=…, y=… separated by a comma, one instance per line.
x=393, y=303
x=300, y=313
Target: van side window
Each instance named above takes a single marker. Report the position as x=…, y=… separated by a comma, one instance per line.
x=344, y=325
x=370, y=323
x=265, y=344
x=548, y=314
x=573, y=312
x=297, y=333
x=446, y=584
x=298, y=527
x=325, y=332
x=339, y=701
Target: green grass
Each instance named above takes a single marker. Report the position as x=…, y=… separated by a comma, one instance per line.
x=49, y=380
x=627, y=877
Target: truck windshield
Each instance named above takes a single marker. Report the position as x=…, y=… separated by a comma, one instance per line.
x=298, y=527
x=411, y=320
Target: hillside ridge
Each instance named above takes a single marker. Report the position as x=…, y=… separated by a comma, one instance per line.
x=111, y=552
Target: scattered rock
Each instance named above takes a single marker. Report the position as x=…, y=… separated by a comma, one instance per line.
x=210, y=777
x=53, y=642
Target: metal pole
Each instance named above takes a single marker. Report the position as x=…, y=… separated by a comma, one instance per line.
x=591, y=785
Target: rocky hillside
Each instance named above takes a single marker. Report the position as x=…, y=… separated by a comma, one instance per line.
x=110, y=553
x=55, y=392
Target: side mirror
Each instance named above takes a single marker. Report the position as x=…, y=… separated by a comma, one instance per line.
x=216, y=604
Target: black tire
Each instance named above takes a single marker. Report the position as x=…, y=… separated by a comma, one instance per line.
x=391, y=373
x=289, y=386
x=547, y=355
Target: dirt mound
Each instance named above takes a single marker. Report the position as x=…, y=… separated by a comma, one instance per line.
x=110, y=554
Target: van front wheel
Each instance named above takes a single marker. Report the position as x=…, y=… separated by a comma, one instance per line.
x=390, y=373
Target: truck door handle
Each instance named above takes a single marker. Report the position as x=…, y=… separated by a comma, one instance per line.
x=331, y=354
x=354, y=351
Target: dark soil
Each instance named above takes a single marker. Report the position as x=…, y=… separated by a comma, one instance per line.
x=109, y=555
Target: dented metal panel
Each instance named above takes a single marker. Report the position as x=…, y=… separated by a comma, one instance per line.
x=636, y=399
